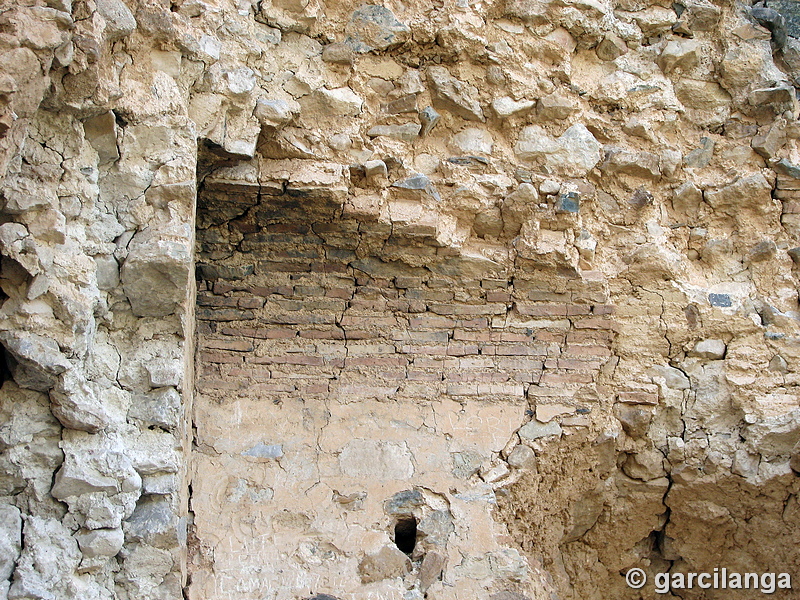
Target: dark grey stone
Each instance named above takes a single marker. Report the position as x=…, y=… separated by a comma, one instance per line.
x=429, y=118
x=404, y=503
x=569, y=202
x=784, y=167
x=722, y=300
x=373, y=27
x=781, y=17
x=415, y=182
x=700, y=157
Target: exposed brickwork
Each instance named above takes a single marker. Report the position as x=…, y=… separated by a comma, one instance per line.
x=318, y=317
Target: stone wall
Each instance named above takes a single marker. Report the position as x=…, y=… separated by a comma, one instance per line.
x=523, y=273
x=340, y=393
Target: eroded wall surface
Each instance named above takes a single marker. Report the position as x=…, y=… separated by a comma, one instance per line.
x=523, y=272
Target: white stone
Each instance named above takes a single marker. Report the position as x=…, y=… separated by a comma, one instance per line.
x=100, y=542
x=709, y=349
x=505, y=106
x=339, y=102
x=575, y=153
x=473, y=141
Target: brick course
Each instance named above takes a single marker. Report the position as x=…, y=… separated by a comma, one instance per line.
x=308, y=322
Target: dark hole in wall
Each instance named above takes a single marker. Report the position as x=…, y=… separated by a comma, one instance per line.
x=405, y=534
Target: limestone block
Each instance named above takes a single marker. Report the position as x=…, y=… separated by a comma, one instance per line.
x=611, y=47
x=338, y=53
x=75, y=404
x=157, y=261
x=644, y=165
x=404, y=503
x=646, y=466
x=522, y=457
x=275, y=112
x=76, y=478
x=373, y=27
x=342, y=102
x=120, y=21
x=752, y=191
x=101, y=131
x=770, y=139
x=702, y=95
x=453, y=95
x=584, y=514
x=775, y=436
x=555, y=107
x=709, y=349
x=100, y=542
x=431, y=569
x=161, y=407
x=155, y=522
x=635, y=421
x=375, y=168
x=48, y=561
x=48, y=225
x=39, y=358
x=473, y=141
x=575, y=153
x=388, y=562
x=107, y=272
x=429, y=118
x=673, y=378
x=437, y=527
x=535, y=430
x=505, y=107
x=10, y=539
x=407, y=132
x=679, y=54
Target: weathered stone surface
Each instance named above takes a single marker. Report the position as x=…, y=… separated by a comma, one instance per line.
x=436, y=527
x=473, y=141
x=611, y=47
x=339, y=53
x=453, y=95
x=38, y=357
x=374, y=27
x=635, y=421
x=429, y=118
x=101, y=131
x=505, y=107
x=555, y=106
x=156, y=261
x=431, y=569
x=161, y=407
x=637, y=164
x=275, y=112
x=679, y=54
x=407, y=132
x=535, y=430
x=10, y=539
x=342, y=102
x=403, y=503
x=575, y=153
x=119, y=21
x=709, y=349
x=100, y=542
x=387, y=563
x=75, y=404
